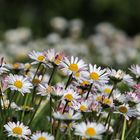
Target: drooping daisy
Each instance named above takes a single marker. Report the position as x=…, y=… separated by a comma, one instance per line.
x=135, y=69
x=38, y=57
x=19, y=83
x=67, y=116
x=5, y=105
x=126, y=111
x=58, y=90
x=42, y=136
x=54, y=57
x=117, y=96
x=3, y=68
x=89, y=130
x=119, y=76
x=17, y=130
x=73, y=66
x=44, y=89
x=116, y=75
x=97, y=75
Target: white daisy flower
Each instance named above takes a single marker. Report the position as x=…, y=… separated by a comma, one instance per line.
x=120, y=76
x=135, y=69
x=70, y=115
x=89, y=130
x=104, y=99
x=126, y=111
x=44, y=89
x=96, y=74
x=17, y=130
x=106, y=89
x=117, y=75
x=42, y=136
x=3, y=68
x=82, y=106
x=73, y=66
x=38, y=57
x=58, y=90
x=19, y=83
x=54, y=57
x=118, y=96
x=133, y=97
x=70, y=95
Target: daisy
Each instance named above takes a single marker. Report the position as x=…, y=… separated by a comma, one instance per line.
x=58, y=90
x=42, y=136
x=82, y=106
x=54, y=57
x=38, y=57
x=96, y=74
x=3, y=68
x=19, y=83
x=106, y=89
x=44, y=89
x=117, y=96
x=73, y=66
x=133, y=97
x=135, y=69
x=89, y=130
x=70, y=95
x=17, y=130
x=119, y=76
x=126, y=111
x=116, y=75
x=104, y=99
x=70, y=115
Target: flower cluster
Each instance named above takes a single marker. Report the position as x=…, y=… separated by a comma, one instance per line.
x=56, y=94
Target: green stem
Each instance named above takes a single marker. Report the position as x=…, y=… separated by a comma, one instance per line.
x=123, y=131
x=33, y=96
x=35, y=111
x=11, y=99
x=65, y=107
x=89, y=90
x=52, y=74
x=114, y=87
x=51, y=114
x=69, y=81
x=36, y=71
x=25, y=102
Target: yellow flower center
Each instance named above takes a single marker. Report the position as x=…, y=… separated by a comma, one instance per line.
x=16, y=65
x=49, y=89
x=41, y=138
x=107, y=90
x=90, y=132
x=17, y=130
x=84, y=83
x=107, y=101
x=36, y=81
x=123, y=109
x=98, y=98
x=83, y=108
x=73, y=67
x=77, y=74
x=40, y=58
x=94, y=76
x=18, y=84
x=69, y=97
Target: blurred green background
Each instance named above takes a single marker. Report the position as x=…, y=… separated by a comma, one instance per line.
x=35, y=14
